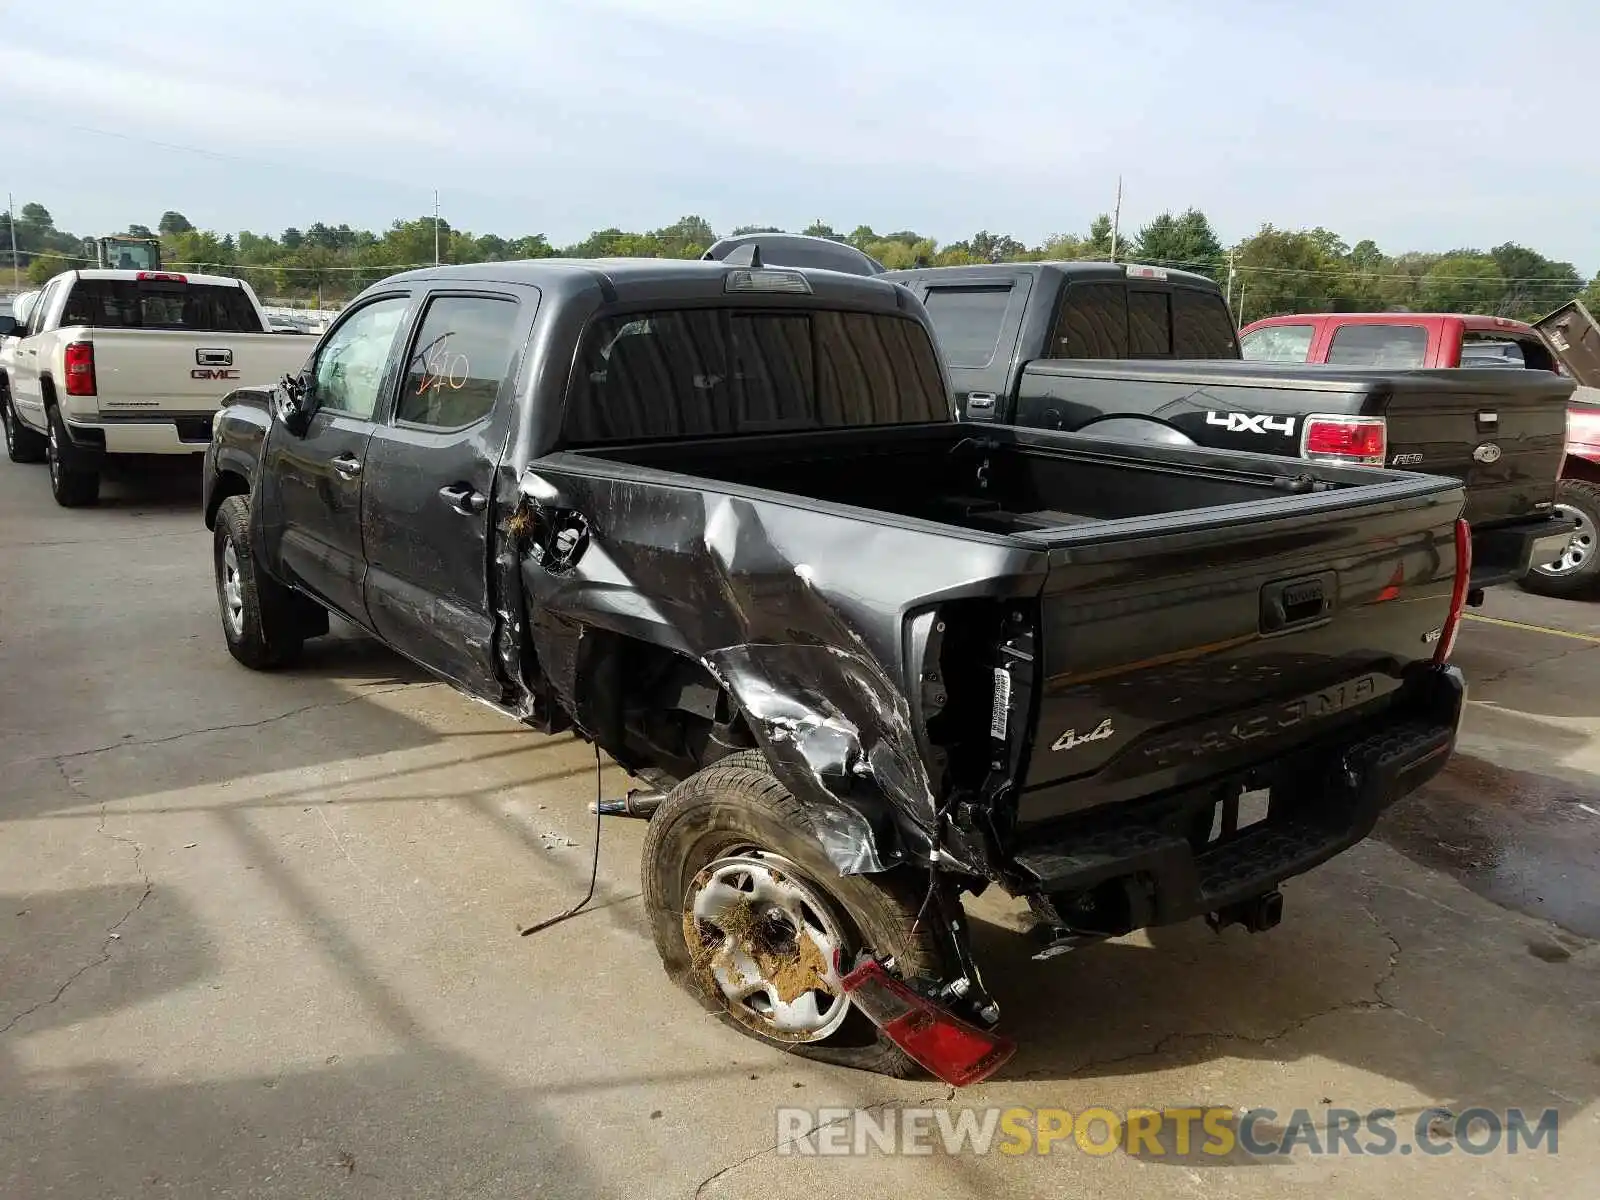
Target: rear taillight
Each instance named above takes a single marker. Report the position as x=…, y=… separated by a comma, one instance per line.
x=1583, y=432
x=1330, y=438
x=79, y=360
x=1458, y=593
x=942, y=1043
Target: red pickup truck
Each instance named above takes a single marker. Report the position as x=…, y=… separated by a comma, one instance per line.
x=1398, y=340
x=1567, y=340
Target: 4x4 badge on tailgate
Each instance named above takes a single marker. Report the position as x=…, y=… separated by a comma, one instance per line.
x=1072, y=739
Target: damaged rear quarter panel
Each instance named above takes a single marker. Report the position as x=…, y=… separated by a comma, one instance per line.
x=798, y=609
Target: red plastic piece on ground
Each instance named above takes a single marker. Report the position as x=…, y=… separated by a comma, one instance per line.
x=953, y=1050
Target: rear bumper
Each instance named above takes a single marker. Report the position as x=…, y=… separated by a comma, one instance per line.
x=1505, y=553
x=1153, y=862
x=142, y=435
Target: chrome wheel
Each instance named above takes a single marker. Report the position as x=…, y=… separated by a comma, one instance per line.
x=1580, y=547
x=232, y=591
x=52, y=453
x=5, y=419
x=771, y=945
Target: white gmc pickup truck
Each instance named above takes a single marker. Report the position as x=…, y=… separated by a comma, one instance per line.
x=130, y=362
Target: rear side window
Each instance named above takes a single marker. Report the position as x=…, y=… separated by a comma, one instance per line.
x=1149, y=324
x=1093, y=321
x=160, y=304
x=1400, y=346
x=1201, y=325
x=968, y=322
x=1487, y=350
x=677, y=373
x=458, y=361
x=1278, y=343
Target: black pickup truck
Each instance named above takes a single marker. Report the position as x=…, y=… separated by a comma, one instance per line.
x=722, y=519
x=1046, y=344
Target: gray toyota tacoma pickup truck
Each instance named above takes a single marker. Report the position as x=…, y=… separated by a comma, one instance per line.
x=722, y=520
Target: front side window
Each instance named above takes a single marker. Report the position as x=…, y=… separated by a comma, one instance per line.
x=459, y=359
x=1401, y=346
x=723, y=372
x=350, y=364
x=1278, y=343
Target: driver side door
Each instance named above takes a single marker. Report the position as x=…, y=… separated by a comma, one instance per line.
x=312, y=483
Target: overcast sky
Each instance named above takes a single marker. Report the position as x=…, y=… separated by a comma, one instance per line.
x=1422, y=125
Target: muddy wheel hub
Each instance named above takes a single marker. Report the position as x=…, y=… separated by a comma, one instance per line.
x=769, y=943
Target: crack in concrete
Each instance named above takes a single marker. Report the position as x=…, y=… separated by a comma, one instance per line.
x=1378, y=1003
x=919, y=1102
x=58, y=759
x=1499, y=676
x=132, y=537
x=112, y=933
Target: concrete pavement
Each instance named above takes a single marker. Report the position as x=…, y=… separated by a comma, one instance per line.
x=258, y=937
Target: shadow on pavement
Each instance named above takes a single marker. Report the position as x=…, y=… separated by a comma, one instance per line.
x=420, y=1120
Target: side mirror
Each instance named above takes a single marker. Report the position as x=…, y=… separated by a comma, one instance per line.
x=293, y=404
x=10, y=326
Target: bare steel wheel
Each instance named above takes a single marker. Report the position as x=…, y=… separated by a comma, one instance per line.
x=1579, y=548
x=771, y=945
x=1575, y=572
x=752, y=918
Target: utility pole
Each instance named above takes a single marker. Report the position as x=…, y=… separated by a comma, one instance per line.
x=1230, y=283
x=436, y=227
x=11, y=220
x=1116, y=219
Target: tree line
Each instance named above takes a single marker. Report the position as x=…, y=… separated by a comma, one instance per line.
x=1273, y=271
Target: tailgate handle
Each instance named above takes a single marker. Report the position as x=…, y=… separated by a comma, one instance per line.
x=214, y=358
x=1295, y=602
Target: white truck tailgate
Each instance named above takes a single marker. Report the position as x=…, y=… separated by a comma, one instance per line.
x=182, y=371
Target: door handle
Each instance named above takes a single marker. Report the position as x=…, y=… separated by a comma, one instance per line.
x=347, y=465
x=464, y=499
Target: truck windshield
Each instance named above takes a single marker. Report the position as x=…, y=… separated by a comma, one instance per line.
x=721, y=372
x=160, y=304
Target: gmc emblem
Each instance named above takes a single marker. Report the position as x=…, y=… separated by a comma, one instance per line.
x=213, y=373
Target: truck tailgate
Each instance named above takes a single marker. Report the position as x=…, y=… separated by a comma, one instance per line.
x=1171, y=657
x=1500, y=430
x=176, y=372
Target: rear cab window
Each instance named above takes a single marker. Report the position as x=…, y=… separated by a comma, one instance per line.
x=1279, y=343
x=723, y=372
x=1093, y=321
x=1500, y=350
x=1374, y=345
x=1109, y=319
x=1149, y=324
x=1201, y=325
x=171, y=303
